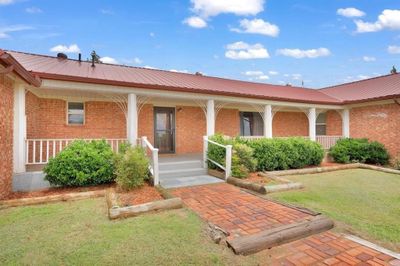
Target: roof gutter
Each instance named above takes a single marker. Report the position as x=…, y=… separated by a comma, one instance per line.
x=12, y=65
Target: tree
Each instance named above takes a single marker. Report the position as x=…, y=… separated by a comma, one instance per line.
x=393, y=71
x=95, y=57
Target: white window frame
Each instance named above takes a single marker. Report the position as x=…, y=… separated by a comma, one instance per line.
x=68, y=113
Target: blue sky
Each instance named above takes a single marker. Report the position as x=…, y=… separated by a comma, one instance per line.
x=319, y=42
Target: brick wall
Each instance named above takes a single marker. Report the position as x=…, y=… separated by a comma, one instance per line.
x=378, y=122
x=333, y=123
x=286, y=124
x=228, y=122
x=6, y=135
x=190, y=129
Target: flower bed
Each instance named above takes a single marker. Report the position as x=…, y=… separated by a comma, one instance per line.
x=137, y=196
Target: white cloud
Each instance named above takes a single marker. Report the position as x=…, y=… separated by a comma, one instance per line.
x=195, y=22
x=253, y=73
x=393, y=49
x=263, y=77
x=13, y=28
x=389, y=19
x=350, y=12
x=6, y=2
x=210, y=8
x=296, y=76
x=73, y=49
x=273, y=73
x=137, y=60
x=242, y=50
x=150, y=67
x=297, y=53
x=108, y=60
x=257, y=26
x=152, y=34
x=363, y=77
x=179, y=71
x=33, y=10
x=107, y=12
x=204, y=9
x=369, y=58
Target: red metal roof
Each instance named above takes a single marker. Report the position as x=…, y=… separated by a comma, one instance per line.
x=73, y=70
x=382, y=87
x=49, y=67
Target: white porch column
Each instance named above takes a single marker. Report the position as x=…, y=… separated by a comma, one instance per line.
x=346, y=123
x=312, y=118
x=210, y=118
x=19, y=129
x=132, y=120
x=268, y=121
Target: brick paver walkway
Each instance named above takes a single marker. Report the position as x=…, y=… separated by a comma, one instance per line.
x=236, y=211
x=241, y=213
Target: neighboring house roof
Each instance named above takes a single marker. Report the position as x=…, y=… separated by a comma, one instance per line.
x=383, y=87
x=49, y=67
x=12, y=65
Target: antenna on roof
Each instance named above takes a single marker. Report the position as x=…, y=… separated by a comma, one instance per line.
x=394, y=70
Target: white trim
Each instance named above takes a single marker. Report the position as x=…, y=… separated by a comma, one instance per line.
x=210, y=118
x=57, y=85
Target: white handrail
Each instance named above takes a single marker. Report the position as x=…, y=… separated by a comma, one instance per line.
x=154, y=159
x=39, y=151
x=228, y=156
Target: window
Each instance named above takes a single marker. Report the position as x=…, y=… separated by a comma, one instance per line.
x=251, y=124
x=76, y=113
x=321, y=125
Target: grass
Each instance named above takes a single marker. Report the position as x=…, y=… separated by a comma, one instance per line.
x=79, y=233
x=364, y=202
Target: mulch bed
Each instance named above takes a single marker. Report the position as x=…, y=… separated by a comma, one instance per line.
x=137, y=196
x=56, y=191
x=255, y=178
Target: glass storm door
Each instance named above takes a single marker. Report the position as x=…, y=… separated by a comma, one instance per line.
x=164, y=129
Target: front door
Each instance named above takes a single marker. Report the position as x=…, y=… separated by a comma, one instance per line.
x=164, y=129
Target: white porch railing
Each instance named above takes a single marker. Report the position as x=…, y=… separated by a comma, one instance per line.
x=228, y=156
x=154, y=159
x=326, y=141
x=39, y=151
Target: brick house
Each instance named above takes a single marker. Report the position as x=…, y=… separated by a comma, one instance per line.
x=48, y=101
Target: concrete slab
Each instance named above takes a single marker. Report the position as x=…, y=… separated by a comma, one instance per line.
x=189, y=181
x=29, y=181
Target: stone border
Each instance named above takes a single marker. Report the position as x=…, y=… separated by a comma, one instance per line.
x=117, y=212
x=51, y=198
x=315, y=170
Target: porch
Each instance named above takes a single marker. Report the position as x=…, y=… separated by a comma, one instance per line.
x=49, y=118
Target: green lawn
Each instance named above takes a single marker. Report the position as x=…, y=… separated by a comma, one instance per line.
x=79, y=233
x=364, y=202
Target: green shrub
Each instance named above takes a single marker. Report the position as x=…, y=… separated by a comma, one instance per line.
x=245, y=156
x=282, y=154
x=351, y=150
x=81, y=164
x=132, y=168
x=216, y=153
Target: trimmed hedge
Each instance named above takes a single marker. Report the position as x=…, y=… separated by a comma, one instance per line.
x=81, y=164
x=283, y=154
x=359, y=150
x=266, y=154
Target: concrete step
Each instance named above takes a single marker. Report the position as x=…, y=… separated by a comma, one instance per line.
x=189, y=164
x=165, y=174
x=187, y=181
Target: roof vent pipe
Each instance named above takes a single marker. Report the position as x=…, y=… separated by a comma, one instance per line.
x=93, y=65
x=80, y=57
